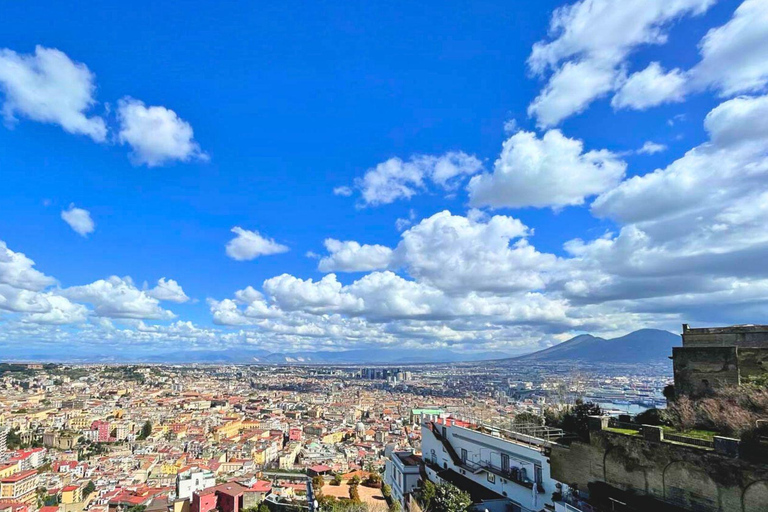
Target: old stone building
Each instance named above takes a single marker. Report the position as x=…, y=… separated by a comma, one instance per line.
x=716, y=357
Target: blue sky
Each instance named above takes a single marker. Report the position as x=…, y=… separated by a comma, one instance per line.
x=156, y=132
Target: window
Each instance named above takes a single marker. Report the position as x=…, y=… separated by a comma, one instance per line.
x=492, y=478
x=504, y=462
x=463, y=455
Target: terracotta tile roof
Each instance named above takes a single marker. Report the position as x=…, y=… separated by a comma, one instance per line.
x=17, y=477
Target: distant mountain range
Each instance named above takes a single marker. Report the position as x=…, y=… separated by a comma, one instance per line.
x=643, y=346
x=248, y=356
x=378, y=356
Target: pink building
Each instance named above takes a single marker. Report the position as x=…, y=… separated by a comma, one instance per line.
x=103, y=429
x=226, y=497
x=295, y=434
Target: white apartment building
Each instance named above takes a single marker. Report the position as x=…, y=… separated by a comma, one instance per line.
x=3, y=439
x=504, y=471
x=192, y=480
x=402, y=473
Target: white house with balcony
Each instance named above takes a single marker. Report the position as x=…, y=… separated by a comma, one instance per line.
x=503, y=471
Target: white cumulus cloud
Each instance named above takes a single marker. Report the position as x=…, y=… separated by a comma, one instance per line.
x=733, y=56
x=49, y=87
x=17, y=270
x=117, y=297
x=168, y=290
x=350, y=256
x=650, y=87
x=551, y=171
x=589, y=42
x=156, y=134
x=651, y=148
x=79, y=220
x=248, y=245
x=398, y=179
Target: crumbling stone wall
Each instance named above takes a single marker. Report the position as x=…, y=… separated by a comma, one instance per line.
x=752, y=361
x=698, y=370
x=689, y=477
x=755, y=336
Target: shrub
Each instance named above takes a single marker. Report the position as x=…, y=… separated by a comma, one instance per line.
x=683, y=414
x=575, y=419
x=656, y=417
x=373, y=480
x=354, y=494
x=449, y=498
x=528, y=418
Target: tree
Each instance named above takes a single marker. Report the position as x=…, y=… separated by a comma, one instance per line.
x=528, y=419
x=355, y=480
x=373, y=480
x=652, y=417
x=576, y=419
x=14, y=441
x=354, y=493
x=88, y=489
x=336, y=479
x=426, y=494
x=449, y=498
x=52, y=500
x=263, y=508
x=317, y=484
x=395, y=506
x=146, y=430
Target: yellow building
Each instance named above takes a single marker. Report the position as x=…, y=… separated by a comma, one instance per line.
x=228, y=430
x=8, y=469
x=71, y=494
x=20, y=487
x=169, y=469
x=81, y=422
x=332, y=438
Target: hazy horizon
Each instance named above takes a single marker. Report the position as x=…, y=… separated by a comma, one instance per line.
x=418, y=178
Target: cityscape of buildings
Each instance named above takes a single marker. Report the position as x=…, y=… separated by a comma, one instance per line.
x=198, y=438
x=435, y=256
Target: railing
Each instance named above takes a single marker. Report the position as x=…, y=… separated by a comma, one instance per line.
x=513, y=476
x=474, y=467
x=573, y=504
x=530, y=434
x=689, y=440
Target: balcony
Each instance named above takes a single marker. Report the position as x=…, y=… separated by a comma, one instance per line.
x=512, y=474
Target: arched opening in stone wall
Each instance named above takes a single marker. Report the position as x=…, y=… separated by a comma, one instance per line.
x=688, y=486
x=755, y=497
